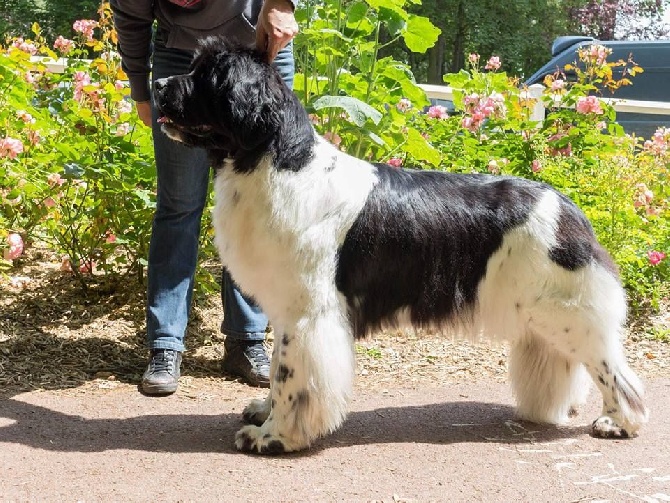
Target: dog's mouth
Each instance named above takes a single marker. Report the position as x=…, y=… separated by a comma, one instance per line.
x=199, y=130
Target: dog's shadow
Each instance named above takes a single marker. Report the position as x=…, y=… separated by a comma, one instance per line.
x=444, y=423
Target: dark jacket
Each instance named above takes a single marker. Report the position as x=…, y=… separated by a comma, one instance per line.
x=181, y=29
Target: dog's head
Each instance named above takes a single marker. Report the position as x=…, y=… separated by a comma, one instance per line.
x=230, y=100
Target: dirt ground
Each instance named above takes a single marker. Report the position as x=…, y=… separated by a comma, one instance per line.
x=432, y=419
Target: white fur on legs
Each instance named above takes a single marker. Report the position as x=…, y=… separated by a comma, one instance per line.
x=312, y=380
x=587, y=330
x=548, y=386
x=258, y=410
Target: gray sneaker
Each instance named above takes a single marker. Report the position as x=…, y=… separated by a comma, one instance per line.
x=162, y=374
x=247, y=360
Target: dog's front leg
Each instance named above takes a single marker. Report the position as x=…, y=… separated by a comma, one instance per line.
x=312, y=375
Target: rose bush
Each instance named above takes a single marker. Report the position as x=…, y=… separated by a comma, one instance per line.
x=76, y=166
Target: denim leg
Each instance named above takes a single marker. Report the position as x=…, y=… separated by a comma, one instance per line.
x=183, y=176
x=242, y=318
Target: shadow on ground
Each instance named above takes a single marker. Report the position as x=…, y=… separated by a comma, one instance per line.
x=444, y=423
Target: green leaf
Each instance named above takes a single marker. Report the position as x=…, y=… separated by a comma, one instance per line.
x=420, y=149
x=357, y=110
x=357, y=13
x=420, y=34
x=395, y=21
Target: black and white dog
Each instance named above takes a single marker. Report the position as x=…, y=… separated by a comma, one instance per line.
x=333, y=248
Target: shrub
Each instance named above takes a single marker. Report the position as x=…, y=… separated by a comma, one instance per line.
x=76, y=167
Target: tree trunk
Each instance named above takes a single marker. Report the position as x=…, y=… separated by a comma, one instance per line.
x=458, y=49
x=436, y=61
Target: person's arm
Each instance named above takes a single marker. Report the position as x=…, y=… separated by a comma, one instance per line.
x=133, y=20
x=276, y=26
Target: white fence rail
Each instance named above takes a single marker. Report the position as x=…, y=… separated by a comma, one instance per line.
x=446, y=93
x=535, y=91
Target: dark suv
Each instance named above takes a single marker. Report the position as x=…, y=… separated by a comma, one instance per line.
x=651, y=85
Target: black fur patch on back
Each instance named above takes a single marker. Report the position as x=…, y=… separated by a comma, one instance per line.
x=575, y=240
x=423, y=240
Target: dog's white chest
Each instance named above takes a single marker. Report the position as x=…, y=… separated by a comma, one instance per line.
x=278, y=231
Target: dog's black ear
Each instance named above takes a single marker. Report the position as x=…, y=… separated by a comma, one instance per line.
x=252, y=93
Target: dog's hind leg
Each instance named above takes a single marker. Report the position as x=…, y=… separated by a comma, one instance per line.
x=312, y=378
x=586, y=327
x=548, y=386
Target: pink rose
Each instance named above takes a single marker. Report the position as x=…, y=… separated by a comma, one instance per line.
x=10, y=147
x=15, y=250
x=396, y=162
x=588, y=105
x=655, y=257
x=493, y=63
x=437, y=112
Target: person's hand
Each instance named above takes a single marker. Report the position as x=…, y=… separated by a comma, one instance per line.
x=276, y=27
x=144, y=112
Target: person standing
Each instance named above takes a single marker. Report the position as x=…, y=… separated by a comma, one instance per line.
x=157, y=39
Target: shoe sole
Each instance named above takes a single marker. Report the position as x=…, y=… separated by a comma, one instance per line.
x=254, y=383
x=158, y=389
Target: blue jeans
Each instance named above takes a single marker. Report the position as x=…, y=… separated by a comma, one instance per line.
x=183, y=176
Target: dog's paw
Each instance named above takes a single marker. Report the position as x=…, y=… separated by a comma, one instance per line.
x=256, y=412
x=606, y=427
x=252, y=439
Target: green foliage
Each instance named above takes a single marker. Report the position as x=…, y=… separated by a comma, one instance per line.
x=346, y=84
x=55, y=17
x=83, y=181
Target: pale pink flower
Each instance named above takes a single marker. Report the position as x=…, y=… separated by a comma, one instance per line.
x=333, y=138
x=655, y=257
x=659, y=144
x=25, y=116
x=122, y=129
x=85, y=27
x=558, y=85
x=15, y=250
x=493, y=167
x=55, y=179
x=124, y=107
x=82, y=77
x=49, y=202
x=467, y=123
x=118, y=85
x=595, y=54
x=536, y=166
x=473, y=58
x=493, y=63
x=63, y=45
x=589, y=105
x=403, y=105
x=29, y=77
x=643, y=195
x=396, y=162
x=25, y=46
x=10, y=147
x=437, y=112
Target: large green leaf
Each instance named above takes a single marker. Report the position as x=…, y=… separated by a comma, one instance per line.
x=420, y=34
x=358, y=111
x=420, y=149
